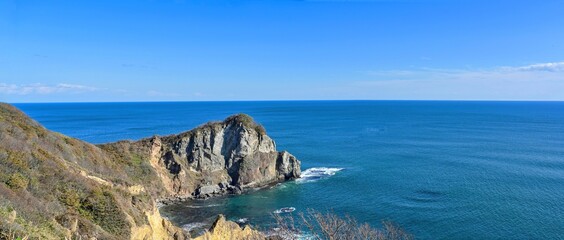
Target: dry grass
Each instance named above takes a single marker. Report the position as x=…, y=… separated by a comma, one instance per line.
x=40, y=180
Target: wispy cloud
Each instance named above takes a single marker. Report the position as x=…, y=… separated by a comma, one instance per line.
x=542, y=67
x=540, y=81
x=38, y=88
x=539, y=71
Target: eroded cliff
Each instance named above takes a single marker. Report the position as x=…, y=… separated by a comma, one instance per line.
x=222, y=229
x=219, y=158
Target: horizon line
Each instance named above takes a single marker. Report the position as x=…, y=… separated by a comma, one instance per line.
x=306, y=100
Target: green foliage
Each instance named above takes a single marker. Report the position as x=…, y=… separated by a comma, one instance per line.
x=101, y=207
x=17, y=181
x=48, y=165
x=247, y=121
x=13, y=226
x=17, y=159
x=41, y=154
x=71, y=197
x=138, y=168
x=136, y=160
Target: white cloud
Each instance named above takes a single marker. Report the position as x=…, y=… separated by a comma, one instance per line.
x=38, y=88
x=550, y=67
x=530, y=82
x=540, y=71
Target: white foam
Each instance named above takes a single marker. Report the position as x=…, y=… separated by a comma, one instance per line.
x=312, y=174
x=203, y=206
x=242, y=220
x=188, y=227
x=285, y=210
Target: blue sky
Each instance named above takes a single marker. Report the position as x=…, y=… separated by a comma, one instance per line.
x=66, y=51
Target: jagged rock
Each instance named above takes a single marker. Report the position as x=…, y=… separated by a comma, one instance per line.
x=221, y=157
x=222, y=229
x=208, y=190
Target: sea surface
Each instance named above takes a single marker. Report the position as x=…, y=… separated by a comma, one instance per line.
x=440, y=169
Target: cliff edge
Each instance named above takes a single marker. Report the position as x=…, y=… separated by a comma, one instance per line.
x=55, y=187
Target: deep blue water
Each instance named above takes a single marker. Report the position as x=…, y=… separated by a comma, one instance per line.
x=442, y=170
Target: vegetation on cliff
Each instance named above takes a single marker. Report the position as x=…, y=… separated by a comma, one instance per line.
x=55, y=187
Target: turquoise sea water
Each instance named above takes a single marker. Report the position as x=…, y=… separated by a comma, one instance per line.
x=442, y=170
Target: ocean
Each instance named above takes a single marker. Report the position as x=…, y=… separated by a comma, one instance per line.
x=439, y=169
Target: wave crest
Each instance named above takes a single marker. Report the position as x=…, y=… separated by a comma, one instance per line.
x=242, y=220
x=285, y=210
x=312, y=174
x=203, y=206
x=193, y=226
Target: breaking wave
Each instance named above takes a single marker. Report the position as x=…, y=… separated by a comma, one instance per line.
x=312, y=174
x=285, y=210
x=242, y=220
x=193, y=226
x=203, y=206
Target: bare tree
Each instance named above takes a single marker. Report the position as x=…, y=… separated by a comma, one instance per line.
x=330, y=226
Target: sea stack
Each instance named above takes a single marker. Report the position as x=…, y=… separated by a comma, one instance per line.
x=217, y=158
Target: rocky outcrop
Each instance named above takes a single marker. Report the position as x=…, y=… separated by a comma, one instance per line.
x=157, y=228
x=223, y=229
x=220, y=158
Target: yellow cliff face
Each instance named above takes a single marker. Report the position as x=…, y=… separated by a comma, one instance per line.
x=158, y=229
x=227, y=230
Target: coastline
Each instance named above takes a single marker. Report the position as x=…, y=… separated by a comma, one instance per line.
x=132, y=179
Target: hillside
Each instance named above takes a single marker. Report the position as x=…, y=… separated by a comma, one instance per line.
x=54, y=187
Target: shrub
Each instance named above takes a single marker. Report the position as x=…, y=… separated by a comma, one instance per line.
x=17, y=159
x=17, y=181
x=247, y=121
x=101, y=207
x=71, y=197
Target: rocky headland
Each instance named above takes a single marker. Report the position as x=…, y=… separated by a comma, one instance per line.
x=54, y=187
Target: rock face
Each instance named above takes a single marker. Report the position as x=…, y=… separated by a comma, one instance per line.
x=221, y=157
x=223, y=229
x=158, y=228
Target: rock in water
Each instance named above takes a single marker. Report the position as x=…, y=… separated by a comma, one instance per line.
x=221, y=157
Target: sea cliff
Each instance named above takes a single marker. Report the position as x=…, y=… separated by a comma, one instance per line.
x=53, y=186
